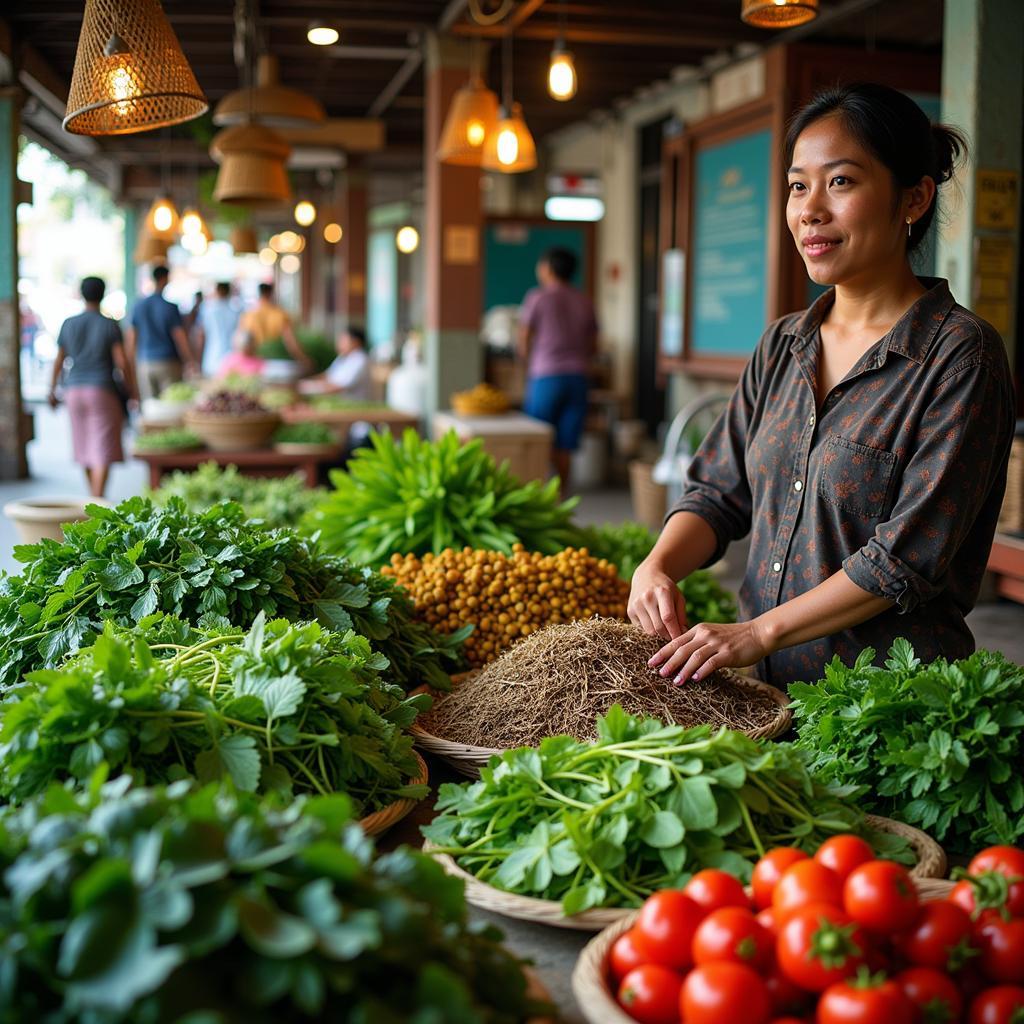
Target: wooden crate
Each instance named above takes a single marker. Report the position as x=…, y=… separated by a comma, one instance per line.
x=524, y=441
x=1011, y=517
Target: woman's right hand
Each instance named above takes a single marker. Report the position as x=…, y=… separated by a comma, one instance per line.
x=656, y=604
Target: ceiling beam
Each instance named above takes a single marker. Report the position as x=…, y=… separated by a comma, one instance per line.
x=519, y=16
x=604, y=34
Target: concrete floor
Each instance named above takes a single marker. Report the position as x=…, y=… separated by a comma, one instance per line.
x=998, y=625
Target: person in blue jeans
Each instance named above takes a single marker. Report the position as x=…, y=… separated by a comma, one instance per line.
x=557, y=340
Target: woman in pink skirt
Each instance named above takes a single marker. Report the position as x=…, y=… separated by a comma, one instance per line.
x=91, y=343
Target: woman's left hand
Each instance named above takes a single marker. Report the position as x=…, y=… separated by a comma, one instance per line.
x=709, y=646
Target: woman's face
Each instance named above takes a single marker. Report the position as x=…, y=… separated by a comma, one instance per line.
x=840, y=209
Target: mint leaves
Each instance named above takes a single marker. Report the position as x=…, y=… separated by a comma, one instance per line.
x=939, y=746
x=124, y=905
x=283, y=708
x=643, y=808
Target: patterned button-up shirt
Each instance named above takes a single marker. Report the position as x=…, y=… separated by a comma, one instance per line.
x=897, y=478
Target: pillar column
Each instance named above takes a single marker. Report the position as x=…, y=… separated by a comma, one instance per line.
x=131, y=232
x=352, y=293
x=452, y=239
x=983, y=94
x=13, y=463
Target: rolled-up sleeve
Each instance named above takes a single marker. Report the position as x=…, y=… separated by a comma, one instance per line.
x=955, y=471
x=717, y=487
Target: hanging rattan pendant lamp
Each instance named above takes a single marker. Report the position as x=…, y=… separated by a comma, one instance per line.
x=130, y=73
x=778, y=13
x=252, y=171
x=472, y=117
x=269, y=102
x=243, y=240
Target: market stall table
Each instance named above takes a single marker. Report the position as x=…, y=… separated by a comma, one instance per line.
x=256, y=462
x=382, y=416
x=524, y=441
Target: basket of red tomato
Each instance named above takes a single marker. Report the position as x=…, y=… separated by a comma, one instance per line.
x=837, y=938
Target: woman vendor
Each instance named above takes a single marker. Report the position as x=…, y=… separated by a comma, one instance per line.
x=865, y=448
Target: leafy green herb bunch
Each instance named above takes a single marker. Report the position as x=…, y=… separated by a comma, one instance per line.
x=135, y=906
x=413, y=496
x=939, y=746
x=641, y=809
x=212, y=567
x=286, y=708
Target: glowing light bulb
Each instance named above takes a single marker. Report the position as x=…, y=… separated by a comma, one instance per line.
x=122, y=88
x=320, y=34
x=305, y=213
x=475, y=133
x=267, y=256
x=163, y=218
x=562, y=76
x=290, y=263
x=191, y=223
x=195, y=244
x=407, y=239
x=508, y=146
x=333, y=233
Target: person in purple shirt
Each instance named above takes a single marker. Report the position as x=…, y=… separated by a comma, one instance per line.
x=557, y=340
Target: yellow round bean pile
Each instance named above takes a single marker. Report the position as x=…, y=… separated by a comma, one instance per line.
x=507, y=597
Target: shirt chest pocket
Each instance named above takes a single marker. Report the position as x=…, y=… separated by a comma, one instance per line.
x=856, y=477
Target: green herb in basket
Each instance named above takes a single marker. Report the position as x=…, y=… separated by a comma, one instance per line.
x=172, y=439
x=179, y=391
x=643, y=808
x=124, y=906
x=305, y=433
x=939, y=746
x=282, y=707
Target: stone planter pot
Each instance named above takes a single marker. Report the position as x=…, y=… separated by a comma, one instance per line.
x=36, y=518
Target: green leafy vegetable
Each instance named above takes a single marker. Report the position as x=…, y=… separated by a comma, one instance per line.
x=274, y=501
x=340, y=403
x=628, y=544
x=209, y=568
x=179, y=391
x=305, y=433
x=317, y=345
x=289, y=708
x=172, y=439
x=413, y=496
x=643, y=808
x=939, y=746
x=126, y=906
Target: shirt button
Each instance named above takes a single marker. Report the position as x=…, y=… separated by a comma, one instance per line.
x=776, y=567
x=810, y=419
x=798, y=486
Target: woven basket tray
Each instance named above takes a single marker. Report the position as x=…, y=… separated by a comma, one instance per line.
x=380, y=821
x=931, y=863
x=590, y=976
x=469, y=760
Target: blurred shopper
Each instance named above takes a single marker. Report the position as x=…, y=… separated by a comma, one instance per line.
x=156, y=340
x=215, y=329
x=349, y=374
x=191, y=319
x=242, y=360
x=267, y=321
x=90, y=344
x=558, y=340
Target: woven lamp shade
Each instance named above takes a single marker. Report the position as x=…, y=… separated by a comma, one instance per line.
x=243, y=239
x=778, y=13
x=472, y=117
x=269, y=102
x=252, y=171
x=510, y=147
x=130, y=74
x=150, y=249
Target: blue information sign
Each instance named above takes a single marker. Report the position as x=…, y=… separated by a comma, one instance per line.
x=730, y=240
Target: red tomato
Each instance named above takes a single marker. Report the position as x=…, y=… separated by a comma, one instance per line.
x=724, y=993
x=767, y=920
x=1002, y=948
x=650, y=994
x=933, y=993
x=882, y=1002
x=880, y=895
x=626, y=954
x=1009, y=862
x=665, y=928
x=711, y=889
x=786, y=996
x=940, y=938
x=844, y=853
x=802, y=884
x=819, y=946
x=1003, y=1004
x=732, y=933
x=769, y=869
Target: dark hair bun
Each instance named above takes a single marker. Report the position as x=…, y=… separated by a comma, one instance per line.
x=949, y=148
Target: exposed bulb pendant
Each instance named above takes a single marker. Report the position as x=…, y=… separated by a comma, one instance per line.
x=162, y=221
x=561, y=73
x=305, y=213
x=510, y=148
x=778, y=13
x=407, y=239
